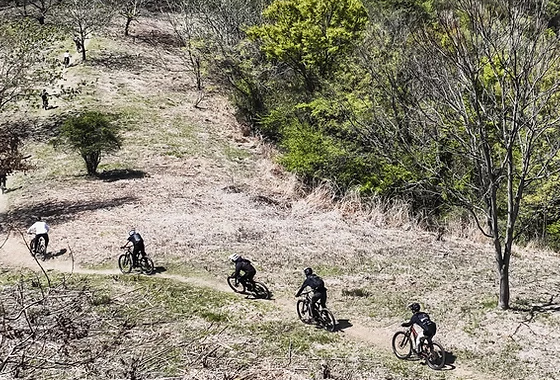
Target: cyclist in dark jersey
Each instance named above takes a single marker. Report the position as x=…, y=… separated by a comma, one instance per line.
x=317, y=284
x=422, y=324
x=138, y=243
x=245, y=266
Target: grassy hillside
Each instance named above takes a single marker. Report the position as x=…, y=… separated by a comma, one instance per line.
x=197, y=190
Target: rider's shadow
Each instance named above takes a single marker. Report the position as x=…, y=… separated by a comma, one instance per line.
x=343, y=324
x=52, y=255
x=449, y=361
x=159, y=269
x=252, y=296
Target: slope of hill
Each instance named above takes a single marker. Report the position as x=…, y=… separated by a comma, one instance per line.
x=198, y=191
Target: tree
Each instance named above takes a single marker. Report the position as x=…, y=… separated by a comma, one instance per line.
x=12, y=135
x=486, y=112
x=311, y=36
x=210, y=32
x=85, y=17
x=25, y=62
x=91, y=134
x=130, y=10
x=37, y=9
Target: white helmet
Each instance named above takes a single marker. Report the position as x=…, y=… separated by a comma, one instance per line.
x=234, y=257
x=131, y=232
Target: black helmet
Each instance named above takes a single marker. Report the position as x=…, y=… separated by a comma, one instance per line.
x=414, y=307
x=308, y=271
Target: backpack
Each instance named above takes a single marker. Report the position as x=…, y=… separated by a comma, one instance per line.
x=315, y=282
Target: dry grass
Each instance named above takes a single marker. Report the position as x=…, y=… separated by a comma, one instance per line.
x=207, y=191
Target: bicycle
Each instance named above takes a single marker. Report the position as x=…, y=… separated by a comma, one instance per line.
x=256, y=289
x=324, y=317
x=432, y=352
x=126, y=263
x=38, y=248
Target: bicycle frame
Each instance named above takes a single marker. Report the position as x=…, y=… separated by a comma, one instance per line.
x=307, y=298
x=412, y=334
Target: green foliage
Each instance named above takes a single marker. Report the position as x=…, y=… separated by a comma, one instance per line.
x=25, y=62
x=311, y=36
x=91, y=134
x=12, y=137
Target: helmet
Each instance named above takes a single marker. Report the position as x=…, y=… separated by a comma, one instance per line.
x=308, y=271
x=234, y=257
x=414, y=307
x=131, y=232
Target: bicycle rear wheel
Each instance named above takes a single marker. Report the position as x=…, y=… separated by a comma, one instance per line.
x=402, y=345
x=261, y=291
x=125, y=263
x=146, y=265
x=42, y=246
x=236, y=286
x=327, y=320
x=436, y=356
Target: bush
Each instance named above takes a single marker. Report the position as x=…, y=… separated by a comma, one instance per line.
x=91, y=133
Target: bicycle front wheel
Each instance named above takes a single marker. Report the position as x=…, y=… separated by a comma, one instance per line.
x=261, y=291
x=436, y=356
x=32, y=247
x=303, y=311
x=236, y=286
x=328, y=321
x=402, y=345
x=146, y=265
x=125, y=263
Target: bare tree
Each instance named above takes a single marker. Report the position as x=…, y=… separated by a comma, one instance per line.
x=38, y=9
x=487, y=90
x=85, y=17
x=41, y=327
x=24, y=59
x=129, y=9
x=210, y=30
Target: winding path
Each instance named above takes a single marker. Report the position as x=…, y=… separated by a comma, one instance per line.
x=14, y=254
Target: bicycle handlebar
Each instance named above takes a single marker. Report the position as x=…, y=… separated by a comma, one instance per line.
x=305, y=293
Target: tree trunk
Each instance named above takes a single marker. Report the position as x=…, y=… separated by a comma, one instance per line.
x=83, y=49
x=503, y=302
x=127, y=25
x=92, y=161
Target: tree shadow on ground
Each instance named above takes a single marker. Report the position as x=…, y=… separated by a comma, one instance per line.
x=58, y=211
x=161, y=39
x=120, y=174
x=527, y=306
x=343, y=324
x=121, y=61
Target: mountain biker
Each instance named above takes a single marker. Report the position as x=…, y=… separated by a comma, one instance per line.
x=41, y=230
x=138, y=243
x=245, y=266
x=45, y=99
x=319, y=291
x=422, y=324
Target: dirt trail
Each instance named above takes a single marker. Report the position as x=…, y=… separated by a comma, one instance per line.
x=14, y=254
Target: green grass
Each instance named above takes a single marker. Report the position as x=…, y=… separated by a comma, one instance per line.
x=277, y=337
